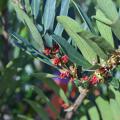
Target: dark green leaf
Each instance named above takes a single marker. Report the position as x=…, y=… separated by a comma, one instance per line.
x=47, y=78
x=34, y=32
x=115, y=83
x=44, y=97
x=25, y=45
x=39, y=109
x=84, y=17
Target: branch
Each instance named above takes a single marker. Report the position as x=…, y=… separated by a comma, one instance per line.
x=76, y=104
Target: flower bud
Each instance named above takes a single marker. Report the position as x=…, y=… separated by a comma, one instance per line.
x=94, y=80
x=85, y=77
x=47, y=51
x=56, y=48
x=56, y=61
x=64, y=59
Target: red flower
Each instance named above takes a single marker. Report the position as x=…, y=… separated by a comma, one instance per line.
x=85, y=77
x=56, y=61
x=47, y=51
x=94, y=80
x=62, y=75
x=64, y=59
x=56, y=48
x=67, y=73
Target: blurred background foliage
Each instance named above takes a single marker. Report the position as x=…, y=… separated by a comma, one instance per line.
x=25, y=97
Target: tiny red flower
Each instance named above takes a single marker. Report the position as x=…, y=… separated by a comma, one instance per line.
x=94, y=80
x=67, y=73
x=85, y=77
x=47, y=51
x=56, y=48
x=56, y=61
x=64, y=59
x=62, y=75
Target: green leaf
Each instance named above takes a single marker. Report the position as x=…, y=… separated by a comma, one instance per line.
x=72, y=28
x=34, y=32
x=105, y=30
x=92, y=110
x=3, y=4
x=117, y=95
x=94, y=46
x=114, y=24
x=100, y=41
x=63, y=11
x=74, y=56
x=39, y=109
x=24, y=117
x=104, y=108
x=84, y=17
x=83, y=118
x=27, y=6
x=25, y=45
x=115, y=109
x=100, y=16
x=89, y=49
x=47, y=78
x=49, y=14
x=115, y=83
x=44, y=97
x=116, y=28
x=35, y=4
x=109, y=9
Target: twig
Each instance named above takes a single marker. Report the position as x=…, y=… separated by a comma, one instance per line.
x=75, y=106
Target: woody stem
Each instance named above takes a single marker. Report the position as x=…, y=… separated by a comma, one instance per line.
x=76, y=104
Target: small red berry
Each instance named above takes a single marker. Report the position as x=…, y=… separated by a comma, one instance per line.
x=85, y=77
x=62, y=75
x=56, y=48
x=47, y=51
x=64, y=59
x=56, y=61
x=94, y=80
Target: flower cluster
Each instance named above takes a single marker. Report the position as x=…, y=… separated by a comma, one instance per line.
x=58, y=59
x=69, y=71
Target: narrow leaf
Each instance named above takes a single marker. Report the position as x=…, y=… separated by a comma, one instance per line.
x=39, y=109
x=34, y=32
x=104, y=108
x=84, y=17
x=108, y=8
x=35, y=4
x=47, y=78
x=44, y=97
x=87, y=47
x=63, y=11
x=49, y=14
x=75, y=56
x=105, y=30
